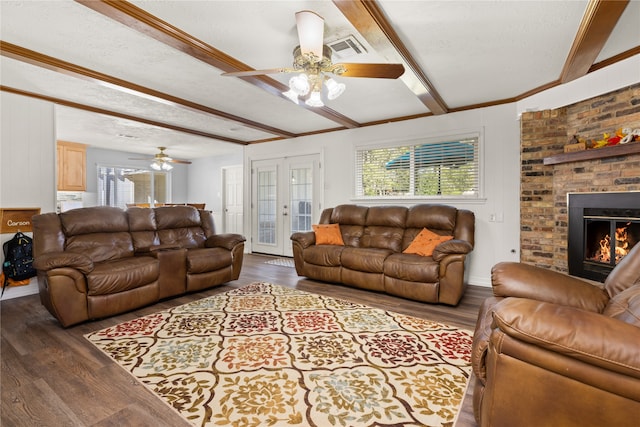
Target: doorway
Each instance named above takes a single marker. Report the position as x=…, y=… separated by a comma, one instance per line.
x=285, y=198
x=232, y=209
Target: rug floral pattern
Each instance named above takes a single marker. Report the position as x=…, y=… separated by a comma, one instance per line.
x=268, y=355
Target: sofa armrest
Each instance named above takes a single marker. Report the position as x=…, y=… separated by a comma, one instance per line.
x=304, y=239
x=227, y=241
x=51, y=260
x=593, y=338
x=512, y=279
x=451, y=247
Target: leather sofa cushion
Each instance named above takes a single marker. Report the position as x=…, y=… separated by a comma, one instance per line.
x=412, y=268
x=102, y=246
x=382, y=237
x=203, y=260
x=98, y=219
x=325, y=255
x=352, y=234
x=625, y=306
x=388, y=216
x=122, y=275
x=176, y=217
x=439, y=219
x=191, y=237
x=349, y=215
x=433, y=217
x=369, y=260
x=142, y=219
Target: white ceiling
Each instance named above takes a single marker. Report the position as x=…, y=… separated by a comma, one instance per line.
x=156, y=94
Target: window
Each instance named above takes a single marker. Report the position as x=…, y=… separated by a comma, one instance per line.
x=421, y=169
x=119, y=186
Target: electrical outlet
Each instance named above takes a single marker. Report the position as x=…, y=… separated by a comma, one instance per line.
x=492, y=217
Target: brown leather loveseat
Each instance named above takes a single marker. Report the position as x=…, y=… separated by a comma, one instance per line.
x=372, y=255
x=553, y=350
x=99, y=261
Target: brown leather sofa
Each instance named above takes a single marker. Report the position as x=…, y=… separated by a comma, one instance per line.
x=99, y=261
x=372, y=258
x=553, y=350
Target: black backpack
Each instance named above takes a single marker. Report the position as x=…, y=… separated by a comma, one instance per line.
x=18, y=259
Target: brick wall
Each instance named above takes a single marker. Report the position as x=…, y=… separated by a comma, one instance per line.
x=544, y=188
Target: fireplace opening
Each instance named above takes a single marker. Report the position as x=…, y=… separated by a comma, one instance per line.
x=603, y=227
x=608, y=240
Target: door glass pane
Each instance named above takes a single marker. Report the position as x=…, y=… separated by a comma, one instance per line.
x=267, y=207
x=301, y=198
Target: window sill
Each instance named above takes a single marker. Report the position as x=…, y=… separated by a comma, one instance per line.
x=416, y=200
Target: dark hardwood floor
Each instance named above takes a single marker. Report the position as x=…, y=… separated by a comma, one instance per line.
x=51, y=376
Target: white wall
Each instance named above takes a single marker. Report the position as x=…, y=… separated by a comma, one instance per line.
x=205, y=182
x=27, y=162
x=500, y=149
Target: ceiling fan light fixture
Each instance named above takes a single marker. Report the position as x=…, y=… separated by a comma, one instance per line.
x=156, y=165
x=310, y=32
x=291, y=95
x=314, y=100
x=300, y=84
x=334, y=89
x=166, y=166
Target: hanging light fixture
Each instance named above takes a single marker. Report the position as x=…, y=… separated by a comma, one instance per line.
x=312, y=78
x=161, y=165
x=334, y=89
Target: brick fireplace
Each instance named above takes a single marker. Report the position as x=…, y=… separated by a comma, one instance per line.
x=544, y=187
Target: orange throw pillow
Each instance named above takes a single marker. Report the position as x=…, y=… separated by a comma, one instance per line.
x=425, y=242
x=328, y=234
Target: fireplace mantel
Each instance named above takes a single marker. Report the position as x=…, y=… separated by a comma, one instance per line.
x=596, y=153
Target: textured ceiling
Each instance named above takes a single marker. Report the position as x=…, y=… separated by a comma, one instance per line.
x=144, y=74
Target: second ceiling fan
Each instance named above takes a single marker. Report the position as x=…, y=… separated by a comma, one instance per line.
x=161, y=161
x=312, y=60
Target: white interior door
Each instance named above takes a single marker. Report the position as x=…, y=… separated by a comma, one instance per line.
x=285, y=199
x=233, y=210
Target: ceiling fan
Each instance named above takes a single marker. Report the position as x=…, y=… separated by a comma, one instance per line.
x=161, y=160
x=312, y=60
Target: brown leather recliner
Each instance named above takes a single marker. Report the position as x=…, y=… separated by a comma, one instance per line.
x=553, y=350
x=99, y=261
x=372, y=256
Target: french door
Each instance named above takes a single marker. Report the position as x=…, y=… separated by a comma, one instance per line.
x=285, y=198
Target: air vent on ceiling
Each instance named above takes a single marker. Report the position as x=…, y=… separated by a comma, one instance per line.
x=346, y=47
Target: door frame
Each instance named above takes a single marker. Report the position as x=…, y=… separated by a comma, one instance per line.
x=318, y=193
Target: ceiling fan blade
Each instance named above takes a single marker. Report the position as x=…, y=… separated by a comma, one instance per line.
x=258, y=72
x=141, y=158
x=184, y=162
x=381, y=71
x=310, y=32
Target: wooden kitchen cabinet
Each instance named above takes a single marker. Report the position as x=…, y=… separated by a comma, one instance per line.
x=72, y=166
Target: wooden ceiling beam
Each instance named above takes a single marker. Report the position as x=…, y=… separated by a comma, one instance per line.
x=48, y=62
x=140, y=20
x=370, y=21
x=84, y=107
x=598, y=22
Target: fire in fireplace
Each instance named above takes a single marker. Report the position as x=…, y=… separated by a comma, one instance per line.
x=603, y=227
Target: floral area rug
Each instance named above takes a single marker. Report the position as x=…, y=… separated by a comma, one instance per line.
x=268, y=355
